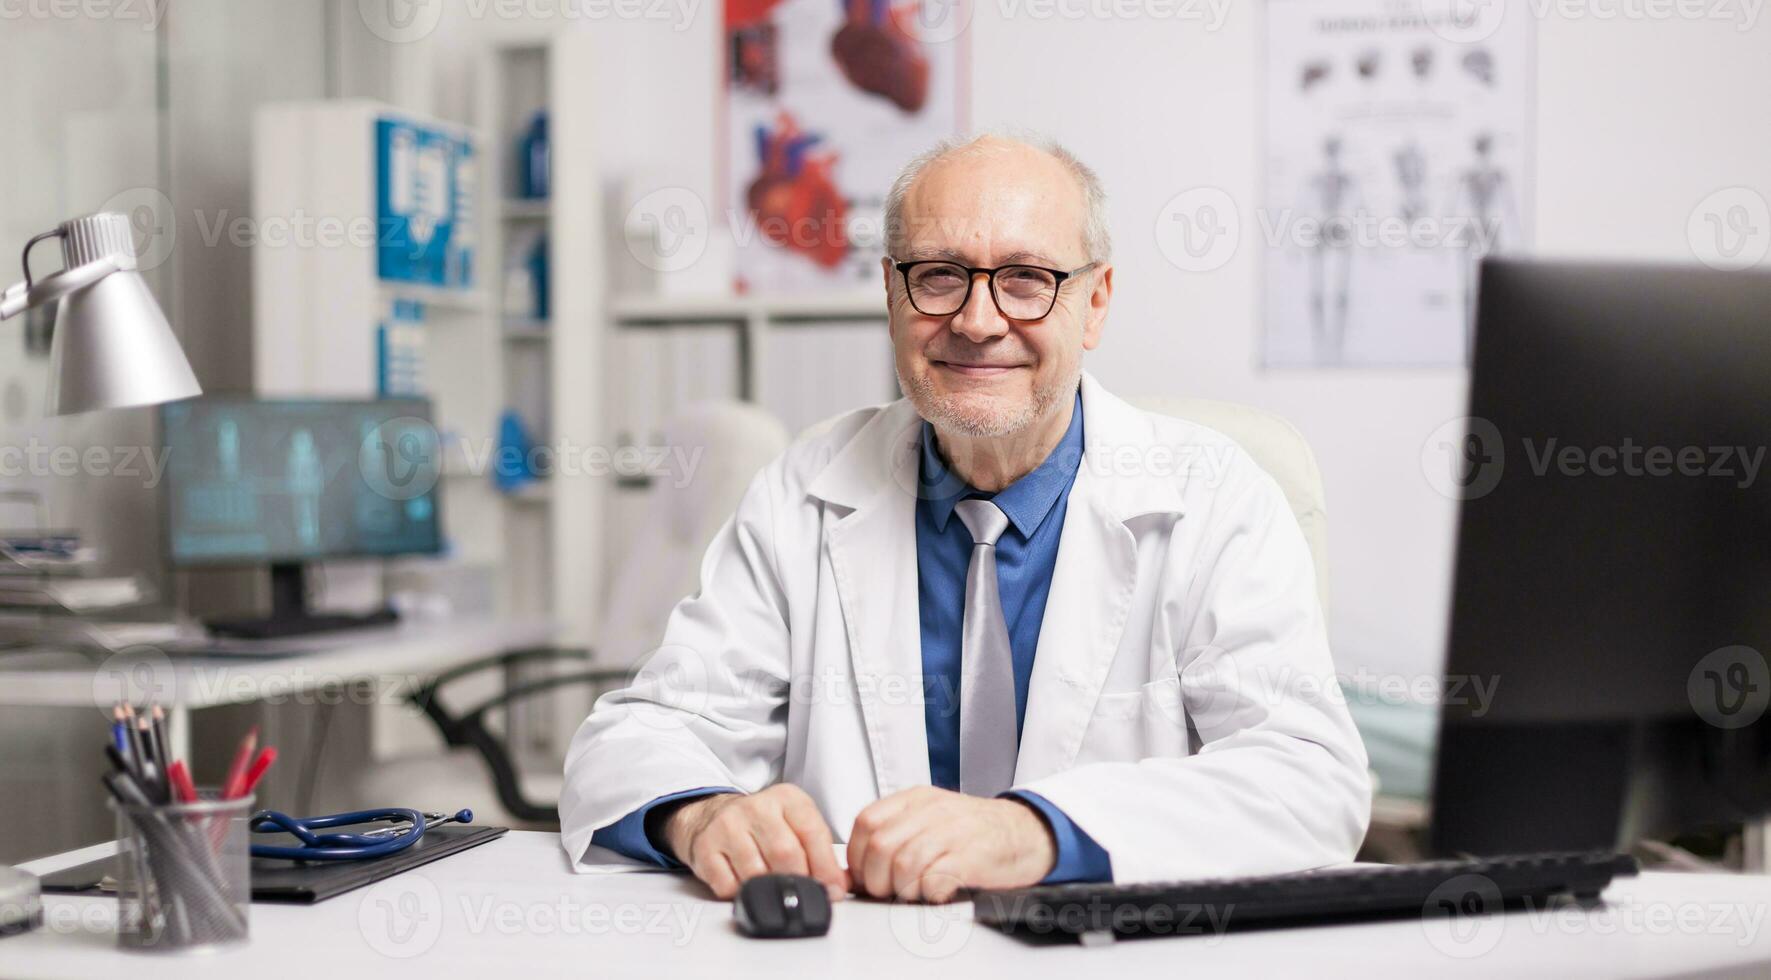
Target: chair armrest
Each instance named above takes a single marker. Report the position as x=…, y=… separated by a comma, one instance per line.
x=507, y=658
x=476, y=714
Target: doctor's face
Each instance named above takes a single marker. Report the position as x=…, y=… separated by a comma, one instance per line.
x=976, y=371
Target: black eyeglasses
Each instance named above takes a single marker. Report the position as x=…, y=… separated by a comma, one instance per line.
x=1021, y=292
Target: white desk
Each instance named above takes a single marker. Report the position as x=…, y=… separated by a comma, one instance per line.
x=512, y=908
x=396, y=655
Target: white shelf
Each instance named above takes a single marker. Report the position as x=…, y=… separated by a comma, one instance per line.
x=523, y=330
x=534, y=493
x=867, y=305
x=433, y=297
x=526, y=208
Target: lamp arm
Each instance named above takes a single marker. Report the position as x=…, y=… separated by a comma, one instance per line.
x=12, y=302
x=17, y=298
x=25, y=259
x=24, y=295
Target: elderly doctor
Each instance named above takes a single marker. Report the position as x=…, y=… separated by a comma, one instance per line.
x=1006, y=630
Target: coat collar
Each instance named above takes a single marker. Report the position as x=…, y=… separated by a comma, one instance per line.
x=1121, y=455
x=872, y=550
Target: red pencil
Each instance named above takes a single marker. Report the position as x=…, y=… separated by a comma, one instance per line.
x=180, y=779
x=231, y=787
x=266, y=756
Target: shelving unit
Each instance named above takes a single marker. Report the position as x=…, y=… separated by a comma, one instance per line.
x=756, y=318
x=549, y=530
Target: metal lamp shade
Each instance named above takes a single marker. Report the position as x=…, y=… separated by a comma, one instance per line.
x=114, y=349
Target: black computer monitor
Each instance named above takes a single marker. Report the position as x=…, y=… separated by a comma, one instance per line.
x=284, y=483
x=1613, y=575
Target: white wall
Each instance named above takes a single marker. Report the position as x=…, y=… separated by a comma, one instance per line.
x=1637, y=123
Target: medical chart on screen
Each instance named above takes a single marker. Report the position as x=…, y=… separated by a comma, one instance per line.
x=824, y=101
x=1398, y=154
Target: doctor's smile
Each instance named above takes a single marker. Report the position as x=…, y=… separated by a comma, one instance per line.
x=1108, y=717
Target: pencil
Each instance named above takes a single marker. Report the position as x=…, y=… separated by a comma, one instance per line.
x=236, y=778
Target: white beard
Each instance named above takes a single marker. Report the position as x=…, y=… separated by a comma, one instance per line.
x=984, y=424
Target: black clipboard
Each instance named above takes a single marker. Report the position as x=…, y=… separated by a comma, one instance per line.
x=304, y=883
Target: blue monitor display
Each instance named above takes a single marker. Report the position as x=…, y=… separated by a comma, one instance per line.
x=254, y=482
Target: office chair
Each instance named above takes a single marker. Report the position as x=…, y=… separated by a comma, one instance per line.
x=681, y=516
x=1398, y=736
x=1280, y=449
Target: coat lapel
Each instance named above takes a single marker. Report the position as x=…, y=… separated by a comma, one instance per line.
x=873, y=556
x=1094, y=581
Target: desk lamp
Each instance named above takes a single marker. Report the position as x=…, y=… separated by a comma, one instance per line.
x=113, y=347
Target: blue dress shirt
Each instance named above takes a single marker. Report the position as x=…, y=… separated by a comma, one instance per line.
x=1025, y=556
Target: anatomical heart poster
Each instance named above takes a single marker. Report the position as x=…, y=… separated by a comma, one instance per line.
x=824, y=101
x=1398, y=155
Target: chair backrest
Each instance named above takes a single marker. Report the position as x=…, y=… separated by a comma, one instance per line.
x=729, y=442
x=1280, y=449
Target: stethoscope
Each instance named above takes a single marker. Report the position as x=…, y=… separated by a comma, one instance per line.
x=347, y=847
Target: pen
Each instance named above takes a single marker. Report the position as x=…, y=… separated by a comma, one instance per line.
x=133, y=739
x=119, y=761
x=162, y=744
x=266, y=756
x=125, y=788
x=118, y=735
x=154, y=776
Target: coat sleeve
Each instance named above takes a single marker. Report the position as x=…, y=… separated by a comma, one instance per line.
x=1278, y=779
x=708, y=707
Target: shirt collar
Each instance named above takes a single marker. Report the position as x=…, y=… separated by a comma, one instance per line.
x=1025, y=501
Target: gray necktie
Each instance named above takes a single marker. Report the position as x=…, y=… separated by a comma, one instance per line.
x=987, y=736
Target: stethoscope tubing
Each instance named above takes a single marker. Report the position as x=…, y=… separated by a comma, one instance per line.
x=345, y=847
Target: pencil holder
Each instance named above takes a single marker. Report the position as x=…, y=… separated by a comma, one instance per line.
x=183, y=874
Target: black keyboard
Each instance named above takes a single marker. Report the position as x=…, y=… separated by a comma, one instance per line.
x=1212, y=906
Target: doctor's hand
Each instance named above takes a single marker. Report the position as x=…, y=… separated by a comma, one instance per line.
x=925, y=844
x=731, y=837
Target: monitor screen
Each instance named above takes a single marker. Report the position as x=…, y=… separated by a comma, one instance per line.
x=251, y=481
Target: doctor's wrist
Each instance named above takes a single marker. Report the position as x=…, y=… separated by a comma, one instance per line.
x=672, y=827
x=1033, y=845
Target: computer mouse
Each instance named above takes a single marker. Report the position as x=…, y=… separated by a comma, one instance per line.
x=782, y=907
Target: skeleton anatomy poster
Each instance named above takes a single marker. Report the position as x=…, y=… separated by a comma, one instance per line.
x=824, y=101
x=1398, y=151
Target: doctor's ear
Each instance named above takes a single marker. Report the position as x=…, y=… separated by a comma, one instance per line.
x=1094, y=314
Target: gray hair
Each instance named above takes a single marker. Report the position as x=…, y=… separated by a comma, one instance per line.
x=1095, y=239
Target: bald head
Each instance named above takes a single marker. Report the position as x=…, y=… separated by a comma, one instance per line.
x=992, y=178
